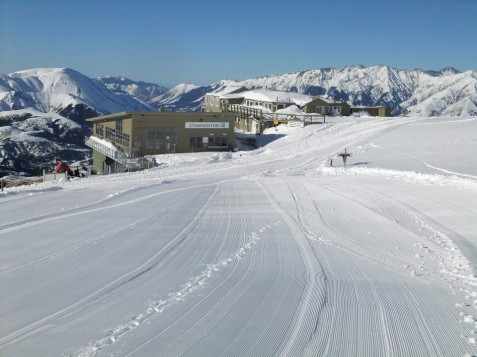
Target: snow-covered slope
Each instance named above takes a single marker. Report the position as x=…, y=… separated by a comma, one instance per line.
x=183, y=97
x=269, y=252
x=55, y=89
x=146, y=92
x=31, y=141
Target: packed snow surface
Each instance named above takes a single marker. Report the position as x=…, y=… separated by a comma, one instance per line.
x=275, y=251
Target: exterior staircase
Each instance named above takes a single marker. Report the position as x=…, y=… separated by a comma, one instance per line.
x=123, y=161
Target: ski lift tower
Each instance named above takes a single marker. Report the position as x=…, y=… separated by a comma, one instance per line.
x=344, y=155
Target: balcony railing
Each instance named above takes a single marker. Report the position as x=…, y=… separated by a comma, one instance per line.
x=110, y=150
x=245, y=111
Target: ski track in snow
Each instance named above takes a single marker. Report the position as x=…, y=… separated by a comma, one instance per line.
x=452, y=266
x=144, y=267
x=158, y=306
x=451, y=260
x=80, y=211
x=63, y=254
x=451, y=269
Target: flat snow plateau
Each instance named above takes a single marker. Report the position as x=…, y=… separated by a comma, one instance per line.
x=270, y=252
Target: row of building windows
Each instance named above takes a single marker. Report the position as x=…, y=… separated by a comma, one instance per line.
x=271, y=106
x=321, y=109
x=164, y=139
x=117, y=137
x=208, y=141
x=210, y=100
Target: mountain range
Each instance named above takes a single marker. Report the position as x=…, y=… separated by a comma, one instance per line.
x=43, y=110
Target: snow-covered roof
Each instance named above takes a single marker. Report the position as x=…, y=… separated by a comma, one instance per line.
x=277, y=96
x=103, y=142
x=266, y=95
x=263, y=95
x=328, y=100
x=291, y=110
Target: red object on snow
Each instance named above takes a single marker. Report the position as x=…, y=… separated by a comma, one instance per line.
x=65, y=168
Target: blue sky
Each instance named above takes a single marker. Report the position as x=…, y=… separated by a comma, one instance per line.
x=202, y=41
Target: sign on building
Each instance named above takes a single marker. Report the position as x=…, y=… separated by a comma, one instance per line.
x=206, y=125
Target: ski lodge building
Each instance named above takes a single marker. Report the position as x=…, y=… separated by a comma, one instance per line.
x=119, y=139
x=258, y=109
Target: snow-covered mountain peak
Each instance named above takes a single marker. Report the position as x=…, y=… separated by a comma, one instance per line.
x=183, y=97
x=184, y=87
x=53, y=80
x=53, y=89
x=120, y=85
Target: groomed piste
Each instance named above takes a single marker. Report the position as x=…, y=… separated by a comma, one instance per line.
x=268, y=252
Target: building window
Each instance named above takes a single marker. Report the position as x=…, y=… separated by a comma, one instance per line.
x=223, y=104
x=196, y=142
x=217, y=141
x=171, y=140
x=119, y=125
x=117, y=137
x=162, y=139
x=110, y=134
x=136, y=141
x=320, y=109
x=150, y=138
x=100, y=130
x=122, y=139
